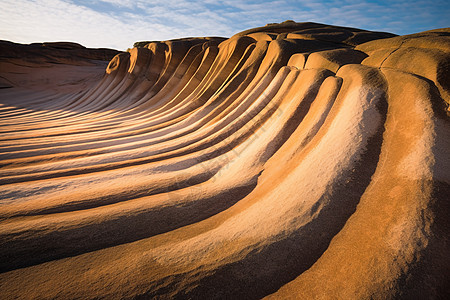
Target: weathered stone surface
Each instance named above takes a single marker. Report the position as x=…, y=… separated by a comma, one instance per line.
x=291, y=161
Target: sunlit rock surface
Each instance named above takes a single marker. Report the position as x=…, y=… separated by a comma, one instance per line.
x=295, y=160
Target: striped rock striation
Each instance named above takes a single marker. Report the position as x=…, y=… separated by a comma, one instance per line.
x=295, y=160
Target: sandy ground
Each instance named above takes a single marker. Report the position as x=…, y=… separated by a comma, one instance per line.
x=291, y=161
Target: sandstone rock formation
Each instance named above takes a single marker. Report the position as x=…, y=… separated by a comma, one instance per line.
x=291, y=161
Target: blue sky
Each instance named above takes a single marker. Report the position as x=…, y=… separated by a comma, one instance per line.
x=120, y=23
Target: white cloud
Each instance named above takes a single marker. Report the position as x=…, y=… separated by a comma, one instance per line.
x=119, y=23
x=121, y=3
x=53, y=20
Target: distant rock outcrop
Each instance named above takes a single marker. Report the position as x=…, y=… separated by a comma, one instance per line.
x=45, y=66
x=290, y=161
x=54, y=52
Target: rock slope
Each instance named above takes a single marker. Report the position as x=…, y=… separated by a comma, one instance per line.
x=291, y=161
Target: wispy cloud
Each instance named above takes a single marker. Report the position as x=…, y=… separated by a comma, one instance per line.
x=119, y=23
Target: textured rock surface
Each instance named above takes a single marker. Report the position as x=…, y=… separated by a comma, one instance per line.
x=295, y=160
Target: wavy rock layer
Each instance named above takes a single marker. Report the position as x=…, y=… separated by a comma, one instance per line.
x=296, y=160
